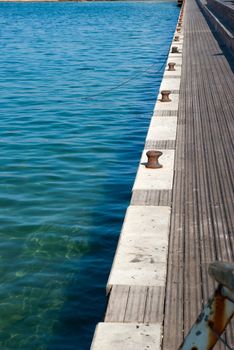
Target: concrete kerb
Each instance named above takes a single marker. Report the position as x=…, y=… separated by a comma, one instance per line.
x=148, y=179
x=162, y=128
x=170, y=84
x=141, y=255
x=119, y=336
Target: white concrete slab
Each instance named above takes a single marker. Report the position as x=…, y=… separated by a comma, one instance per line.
x=140, y=242
x=141, y=254
x=177, y=60
x=170, y=84
x=140, y=273
x=176, y=72
x=175, y=55
x=147, y=247
x=125, y=336
x=181, y=38
x=162, y=128
x=179, y=44
x=147, y=220
x=180, y=32
x=155, y=179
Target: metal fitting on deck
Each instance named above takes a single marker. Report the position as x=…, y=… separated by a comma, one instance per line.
x=165, y=96
x=174, y=49
x=171, y=66
x=217, y=313
x=178, y=30
x=176, y=38
x=153, y=160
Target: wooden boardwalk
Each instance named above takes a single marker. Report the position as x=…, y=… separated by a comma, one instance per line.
x=202, y=222
x=192, y=220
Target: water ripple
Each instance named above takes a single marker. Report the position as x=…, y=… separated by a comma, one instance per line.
x=68, y=164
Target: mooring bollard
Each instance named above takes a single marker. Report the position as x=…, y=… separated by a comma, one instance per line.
x=165, y=96
x=174, y=49
x=177, y=38
x=171, y=66
x=178, y=30
x=153, y=160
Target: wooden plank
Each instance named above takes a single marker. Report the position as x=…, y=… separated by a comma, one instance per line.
x=135, y=310
x=162, y=144
x=165, y=198
x=127, y=336
x=166, y=113
x=135, y=304
x=151, y=197
x=154, y=305
x=117, y=304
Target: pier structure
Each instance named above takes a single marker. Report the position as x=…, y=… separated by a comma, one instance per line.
x=181, y=215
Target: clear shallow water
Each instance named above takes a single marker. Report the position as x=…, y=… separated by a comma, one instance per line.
x=68, y=164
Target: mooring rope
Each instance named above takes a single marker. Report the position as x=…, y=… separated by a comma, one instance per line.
x=125, y=82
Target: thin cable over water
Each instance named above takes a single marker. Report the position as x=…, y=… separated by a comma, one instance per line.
x=125, y=82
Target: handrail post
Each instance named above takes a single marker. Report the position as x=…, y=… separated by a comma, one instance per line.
x=216, y=314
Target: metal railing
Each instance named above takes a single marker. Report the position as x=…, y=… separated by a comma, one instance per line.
x=216, y=314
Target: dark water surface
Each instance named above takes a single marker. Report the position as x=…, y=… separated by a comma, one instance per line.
x=67, y=164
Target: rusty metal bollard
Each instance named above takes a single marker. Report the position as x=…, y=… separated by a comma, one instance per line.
x=174, y=49
x=165, y=96
x=171, y=66
x=153, y=160
x=177, y=38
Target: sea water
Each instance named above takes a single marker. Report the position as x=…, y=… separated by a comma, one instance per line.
x=78, y=82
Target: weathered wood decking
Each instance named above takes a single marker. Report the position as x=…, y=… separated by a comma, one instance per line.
x=202, y=201
x=202, y=223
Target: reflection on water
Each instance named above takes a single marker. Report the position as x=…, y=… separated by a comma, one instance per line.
x=67, y=164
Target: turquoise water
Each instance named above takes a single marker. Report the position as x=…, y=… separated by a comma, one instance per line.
x=69, y=154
